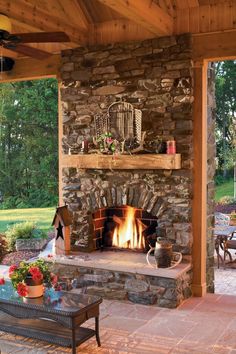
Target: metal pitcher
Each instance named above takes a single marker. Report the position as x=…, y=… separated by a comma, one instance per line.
x=163, y=254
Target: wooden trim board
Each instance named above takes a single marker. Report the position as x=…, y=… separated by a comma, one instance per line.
x=123, y=162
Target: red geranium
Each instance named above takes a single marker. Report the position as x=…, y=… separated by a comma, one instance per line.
x=22, y=289
x=36, y=273
x=54, y=278
x=12, y=270
x=2, y=281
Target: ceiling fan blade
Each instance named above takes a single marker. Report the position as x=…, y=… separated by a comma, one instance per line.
x=29, y=51
x=43, y=37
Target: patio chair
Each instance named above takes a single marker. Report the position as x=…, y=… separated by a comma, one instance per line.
x=229, y=245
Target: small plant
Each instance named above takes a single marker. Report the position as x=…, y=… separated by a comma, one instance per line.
x=107, y=144
x=38, y=271
x=25, y=230
x=227, y=200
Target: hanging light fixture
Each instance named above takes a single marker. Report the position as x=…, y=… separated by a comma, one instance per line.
x=6, y=63
x=5, y=24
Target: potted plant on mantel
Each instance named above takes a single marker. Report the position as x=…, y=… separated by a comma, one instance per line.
x=29, y=278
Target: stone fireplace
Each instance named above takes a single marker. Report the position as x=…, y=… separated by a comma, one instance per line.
x=156, y=77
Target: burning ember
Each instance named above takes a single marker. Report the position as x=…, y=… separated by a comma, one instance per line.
x=128, y=232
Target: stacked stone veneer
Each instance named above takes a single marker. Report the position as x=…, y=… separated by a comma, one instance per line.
x=138, y=288
x=211, y=155
x=155, y=76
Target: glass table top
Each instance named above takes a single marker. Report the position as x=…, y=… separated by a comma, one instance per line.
x=51, y=301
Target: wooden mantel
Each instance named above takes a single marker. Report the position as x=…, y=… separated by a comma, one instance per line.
x=123, y=162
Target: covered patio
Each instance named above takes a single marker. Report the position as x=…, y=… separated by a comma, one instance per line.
x=156, y=56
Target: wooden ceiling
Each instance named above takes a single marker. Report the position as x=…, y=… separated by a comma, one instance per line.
x=105, y=21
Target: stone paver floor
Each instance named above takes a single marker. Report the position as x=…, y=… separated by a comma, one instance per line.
x=199, y=325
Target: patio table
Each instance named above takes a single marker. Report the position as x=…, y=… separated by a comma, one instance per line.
x=56, y=317
x=222, y=234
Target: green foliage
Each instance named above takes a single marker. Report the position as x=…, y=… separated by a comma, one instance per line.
x=25, y=230
x=28, y=144
x=226, y=114
x=19, y=274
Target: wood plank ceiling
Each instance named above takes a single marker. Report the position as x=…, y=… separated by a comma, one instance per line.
x=104, y=21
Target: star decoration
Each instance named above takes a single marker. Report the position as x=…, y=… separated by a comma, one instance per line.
x=59, y=232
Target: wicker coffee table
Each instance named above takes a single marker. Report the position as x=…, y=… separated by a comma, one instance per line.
x=56, y=317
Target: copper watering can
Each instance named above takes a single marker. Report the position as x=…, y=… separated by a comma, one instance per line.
x=163, y=254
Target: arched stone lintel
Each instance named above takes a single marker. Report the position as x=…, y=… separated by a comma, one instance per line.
x=137, y=197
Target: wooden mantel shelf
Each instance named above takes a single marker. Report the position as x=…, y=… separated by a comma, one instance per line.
x=123, y=162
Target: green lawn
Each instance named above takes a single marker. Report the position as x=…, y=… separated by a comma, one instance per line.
x=225, y=189
x=41, y=216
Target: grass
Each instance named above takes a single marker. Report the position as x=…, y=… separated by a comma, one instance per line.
x=41, y=216
x=225, y=189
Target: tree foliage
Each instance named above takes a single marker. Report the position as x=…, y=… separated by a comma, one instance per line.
x=28, y=144
x=226, y=114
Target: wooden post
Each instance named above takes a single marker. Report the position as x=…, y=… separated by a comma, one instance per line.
x=200, y=179
x=60, y=133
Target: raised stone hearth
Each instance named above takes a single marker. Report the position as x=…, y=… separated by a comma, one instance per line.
x=125, y=276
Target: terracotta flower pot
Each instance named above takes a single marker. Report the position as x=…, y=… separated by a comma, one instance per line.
x=35, y=288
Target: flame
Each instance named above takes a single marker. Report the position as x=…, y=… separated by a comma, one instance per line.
x=127, y=234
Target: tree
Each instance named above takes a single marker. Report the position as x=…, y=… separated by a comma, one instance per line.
x=28, y=143
x=226, y=114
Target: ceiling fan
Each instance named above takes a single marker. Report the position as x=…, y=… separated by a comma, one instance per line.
x=16, y=42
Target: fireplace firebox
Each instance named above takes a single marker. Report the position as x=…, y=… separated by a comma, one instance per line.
x=124, y=228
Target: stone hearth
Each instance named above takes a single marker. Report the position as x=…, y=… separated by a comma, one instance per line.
x=125, y=276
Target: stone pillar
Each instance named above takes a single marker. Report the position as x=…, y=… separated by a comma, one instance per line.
x=211, y=155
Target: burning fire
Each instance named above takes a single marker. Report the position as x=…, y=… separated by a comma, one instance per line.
x=127, y=233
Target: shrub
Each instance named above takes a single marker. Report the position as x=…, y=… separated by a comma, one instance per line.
x=3, y=246
x=25, y=230
x=227, y=200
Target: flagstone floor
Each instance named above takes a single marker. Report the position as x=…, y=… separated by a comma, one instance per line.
x=199, y=325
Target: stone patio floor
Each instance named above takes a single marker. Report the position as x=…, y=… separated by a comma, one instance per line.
x=199, y=325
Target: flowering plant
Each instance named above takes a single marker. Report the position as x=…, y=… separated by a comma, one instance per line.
x=37, y=271
x=107, y=143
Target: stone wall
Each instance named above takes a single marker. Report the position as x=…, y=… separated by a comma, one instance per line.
x=118, y=285
x=155, y=76
x=211, y=155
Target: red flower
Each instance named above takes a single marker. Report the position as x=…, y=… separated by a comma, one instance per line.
x=2, y=281
x=50, y=255
x=54, y=278
x=12, y=270
x=22, y=289
x=36, y=273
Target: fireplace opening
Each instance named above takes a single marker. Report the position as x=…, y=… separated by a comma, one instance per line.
x=124, y=228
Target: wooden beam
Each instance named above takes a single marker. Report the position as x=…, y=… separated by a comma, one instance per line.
x=200, y=180
x=117, y=31
x=214, y=46
x=124, y=162
x=29, y=69
x=145, y=13
x=36, y=17
x=72, y=9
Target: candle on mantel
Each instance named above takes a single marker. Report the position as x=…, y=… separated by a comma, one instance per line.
x=171, y=147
